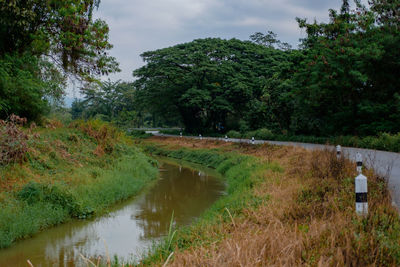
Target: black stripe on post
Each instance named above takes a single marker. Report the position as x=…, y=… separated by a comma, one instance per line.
x=359, y=164
x=361, y=197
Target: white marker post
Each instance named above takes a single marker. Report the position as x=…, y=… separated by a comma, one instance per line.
x=180, y=134
x=338, y=151
x=226, y=138
x=361, y=195
x=252, y=141
x=359, y=162
x=201, y=137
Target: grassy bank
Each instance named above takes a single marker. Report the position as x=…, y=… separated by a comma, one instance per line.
x=285, y=206
x=383, y=141
x=63, y=172
x=242, y=174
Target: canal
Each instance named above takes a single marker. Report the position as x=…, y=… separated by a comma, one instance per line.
x=131, y=227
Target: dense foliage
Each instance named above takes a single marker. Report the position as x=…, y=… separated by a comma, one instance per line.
x=208, y=83
x=341, y=80
x=43, y=42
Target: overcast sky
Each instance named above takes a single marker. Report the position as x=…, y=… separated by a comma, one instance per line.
x=137, y=26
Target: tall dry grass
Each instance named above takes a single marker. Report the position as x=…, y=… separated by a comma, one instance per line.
x=310, y=219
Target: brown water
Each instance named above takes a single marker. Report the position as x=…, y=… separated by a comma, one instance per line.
x=130, y=228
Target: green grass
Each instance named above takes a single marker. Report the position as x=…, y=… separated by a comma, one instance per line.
x=68, y=175
x=242, y=173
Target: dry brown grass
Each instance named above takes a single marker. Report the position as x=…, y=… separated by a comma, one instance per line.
x=309, y=220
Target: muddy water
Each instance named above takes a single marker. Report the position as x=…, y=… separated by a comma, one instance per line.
x=129, y=228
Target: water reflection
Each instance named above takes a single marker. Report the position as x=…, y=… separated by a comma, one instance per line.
x=127, y=230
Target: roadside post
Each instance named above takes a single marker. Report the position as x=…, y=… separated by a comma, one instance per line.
x=180, y=134
x=201, y=137
x=226, y=138
x=252, y=141
x=361, y=195
x=338, y=151
x=359, y=162
x=361, y=188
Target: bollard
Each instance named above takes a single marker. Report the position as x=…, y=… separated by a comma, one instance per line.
x=201, y=137
x=252, y=141
x=359, y=162
x=338, y=151
x=361, y=195
x=180, y=134
x=226, y=138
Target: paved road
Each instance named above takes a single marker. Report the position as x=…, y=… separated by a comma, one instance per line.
x=384, y=163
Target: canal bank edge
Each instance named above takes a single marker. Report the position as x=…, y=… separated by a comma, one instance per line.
x=311, y=204
x=68, y=175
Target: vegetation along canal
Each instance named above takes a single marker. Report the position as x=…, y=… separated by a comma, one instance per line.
x=130, y=228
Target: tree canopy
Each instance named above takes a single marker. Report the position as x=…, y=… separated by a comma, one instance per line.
x=341, y=80
x=43, y=42
x=209, y=83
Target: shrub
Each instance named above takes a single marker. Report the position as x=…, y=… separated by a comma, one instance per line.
x=104, y=133
x=13, y=140
x=139, y=134
x=263, y=134
x=33, y=193
x=234, y=134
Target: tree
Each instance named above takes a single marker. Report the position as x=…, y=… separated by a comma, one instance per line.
x=206, y=82
x=62, y=30
x=269, y=40
x=43, y=42
x=346, y=83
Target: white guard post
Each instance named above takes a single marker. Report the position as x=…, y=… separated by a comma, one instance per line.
x=359, y=162
x=226, y=138
x=361, y=195
x=201, y=137
x=252, y=140
x=338, y=151
x=180, y=134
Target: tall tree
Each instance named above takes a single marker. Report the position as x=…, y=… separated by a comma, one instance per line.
x=206, y=81
x=344, y=84
x=41, y=43
x=62, y=30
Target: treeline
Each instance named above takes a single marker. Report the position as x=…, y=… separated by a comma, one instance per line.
x=342, y=80
x=117, y=102
x=42, y=44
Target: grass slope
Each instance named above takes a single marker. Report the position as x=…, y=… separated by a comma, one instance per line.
x=69, y=172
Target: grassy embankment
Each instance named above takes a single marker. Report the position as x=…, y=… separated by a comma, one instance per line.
x=285, y=206
x=50, y=175
x=383, y=141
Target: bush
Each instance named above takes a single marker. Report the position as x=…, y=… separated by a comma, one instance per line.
x=34, y=192
x=104, y=133
x=234, y=134
x=263, y=134
x=139, y=134
x=13, y=140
